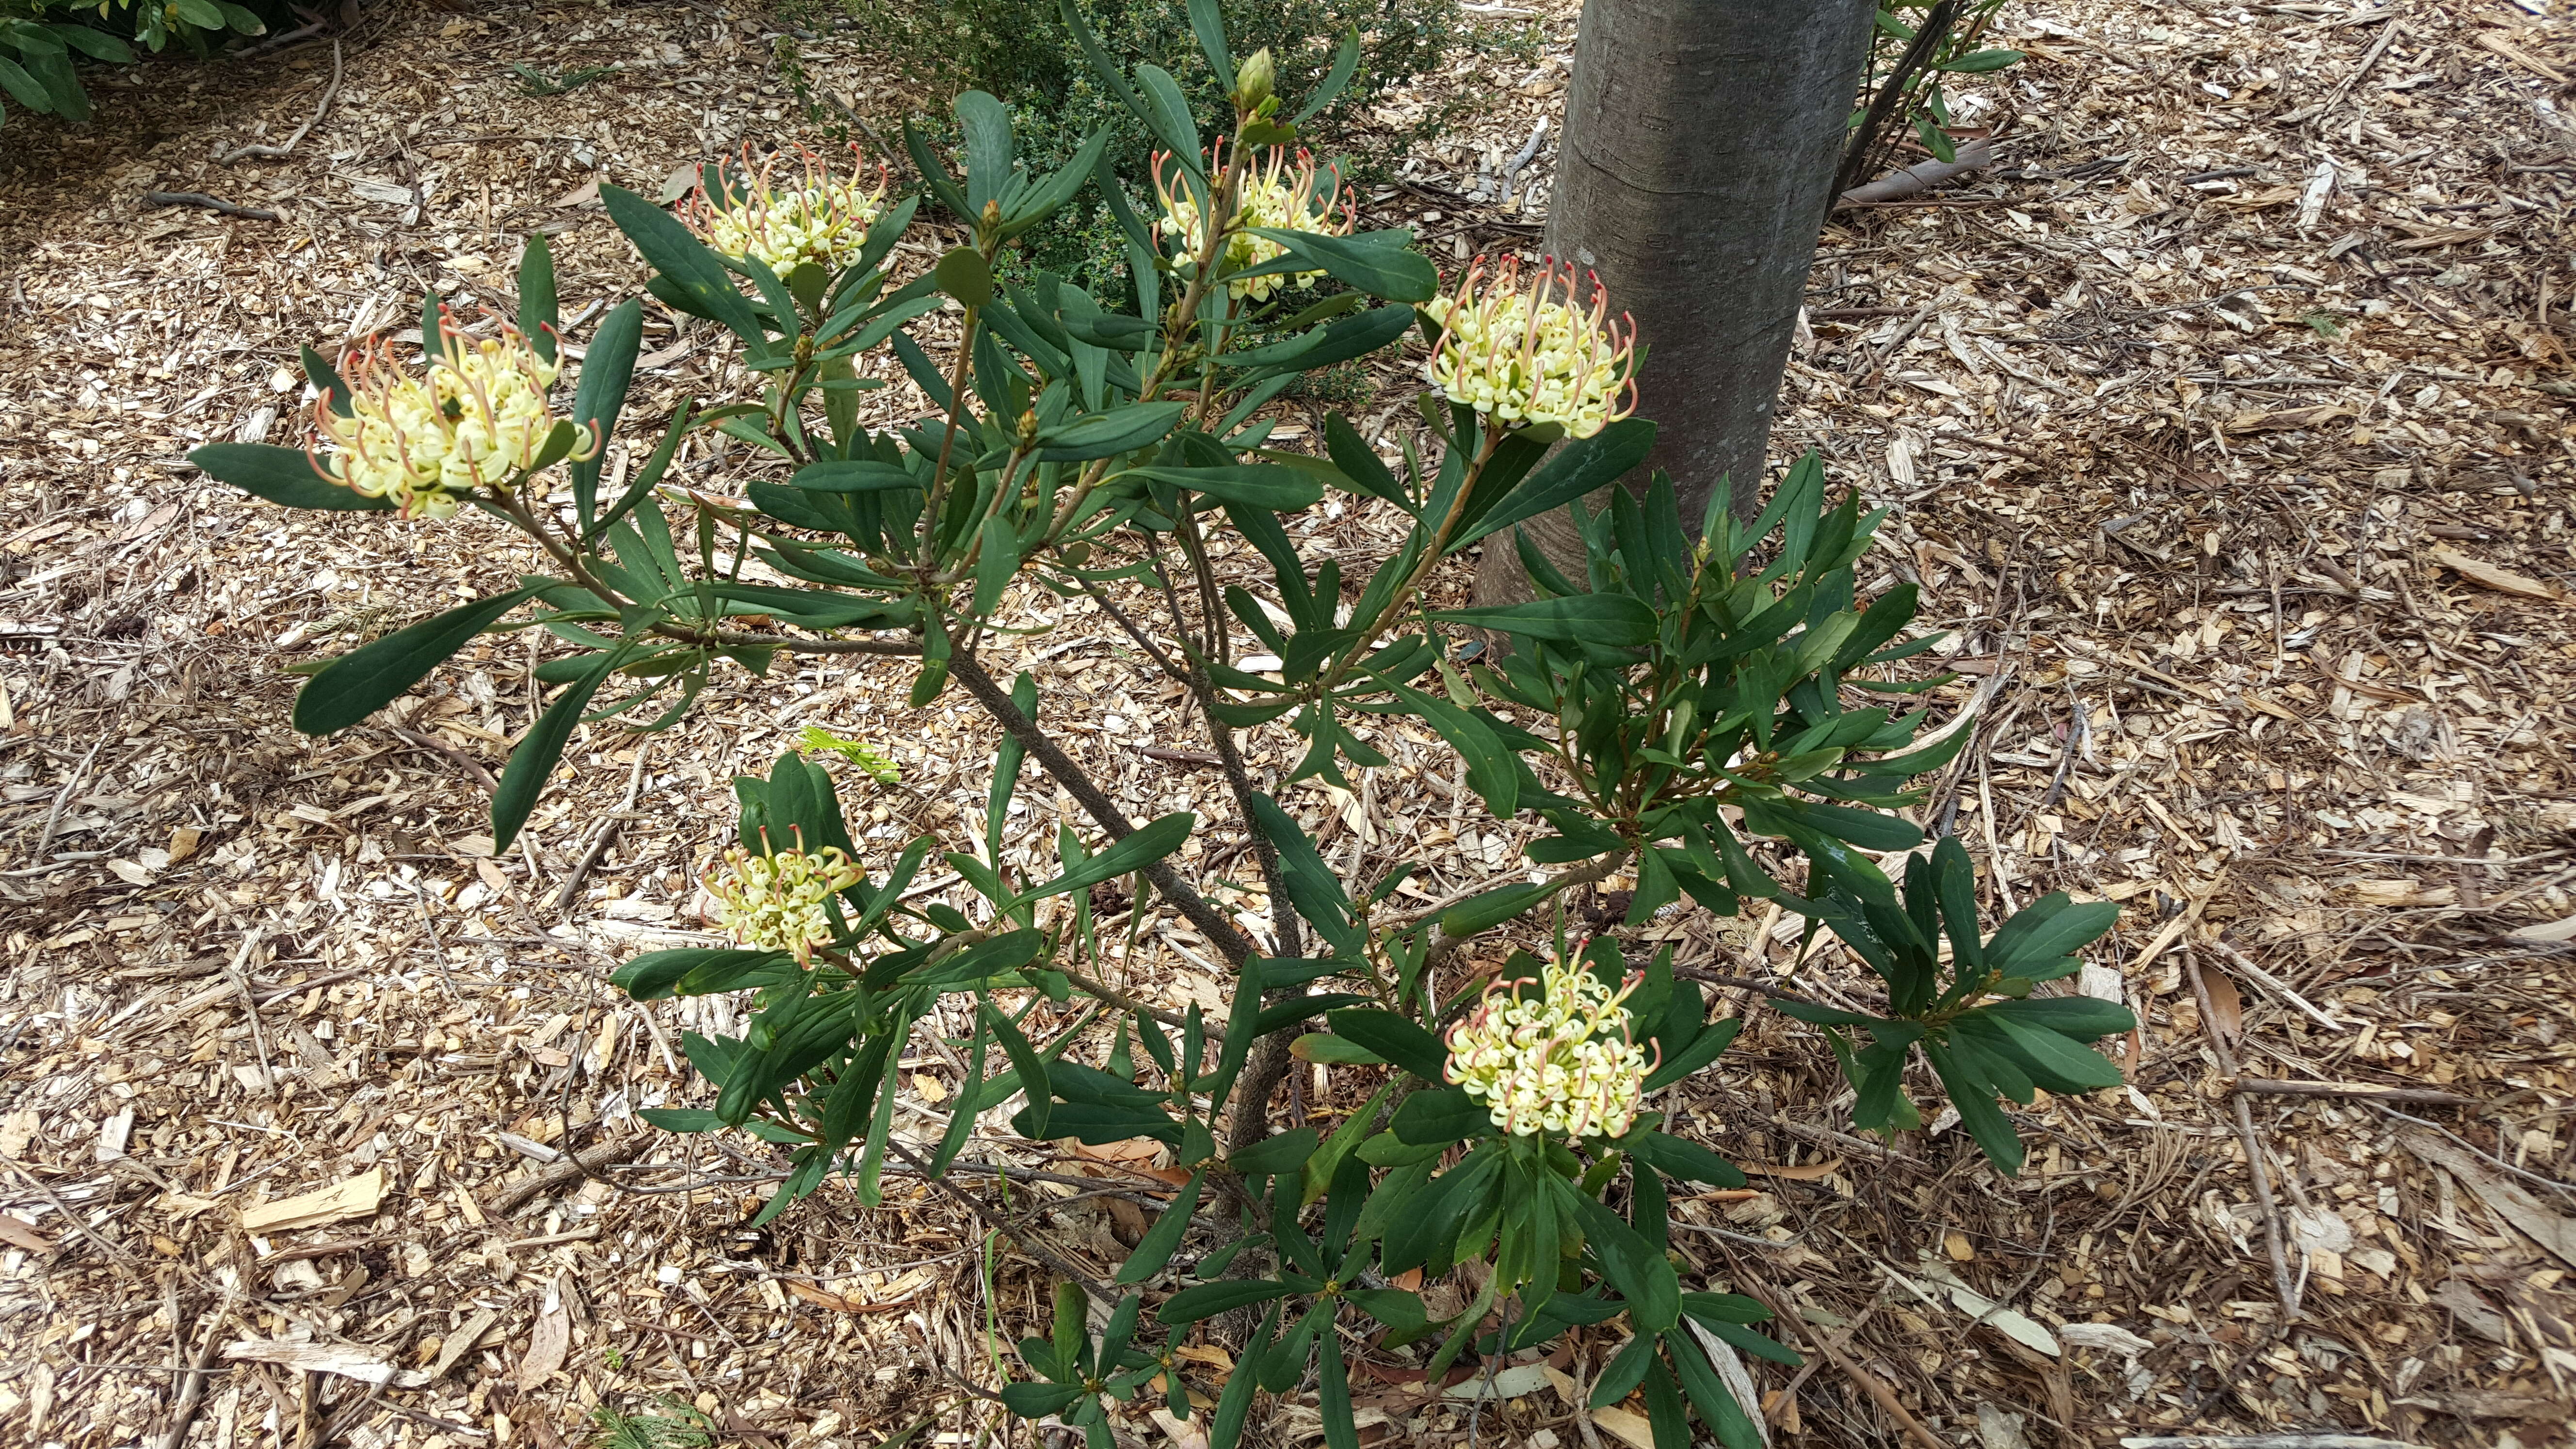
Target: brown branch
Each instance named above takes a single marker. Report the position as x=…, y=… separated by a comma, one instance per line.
x=574, y=1167
x=2367, y=1091
x=1236, y=946
x=208, y=203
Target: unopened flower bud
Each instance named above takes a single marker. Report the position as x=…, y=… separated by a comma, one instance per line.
x=1254, y=80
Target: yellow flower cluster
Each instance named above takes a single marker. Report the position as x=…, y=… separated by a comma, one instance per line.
x=825, y=221
x=1522, y=352
x=1561, y=1062
x=475, y=418
x=1271, y=193
x=775, y=901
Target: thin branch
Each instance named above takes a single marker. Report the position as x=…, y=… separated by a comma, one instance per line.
x=1185, y=898
x=209, y=203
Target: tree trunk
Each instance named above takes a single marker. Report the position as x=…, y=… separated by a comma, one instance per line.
x=1697, y=162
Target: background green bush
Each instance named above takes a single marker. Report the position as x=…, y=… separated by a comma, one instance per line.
x=1020, y=51
x=42, y=42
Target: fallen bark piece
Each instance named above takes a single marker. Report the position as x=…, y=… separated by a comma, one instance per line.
x=345, y=1359
x=2487, y=576
x=354, y=1198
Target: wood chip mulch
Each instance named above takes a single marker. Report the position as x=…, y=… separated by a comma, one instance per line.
x=2225, y=421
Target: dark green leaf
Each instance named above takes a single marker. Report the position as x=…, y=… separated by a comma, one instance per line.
x=1148, y=844
x=1160, y=1241
x=282, y=475
x=1285, y=1152
x=368, y=678
x=965, y=275
x=1442, y=1116
x=1382, y=264
x=1210, y=1299
x=1615, y=620
x=525, y=776
x=1577, y=470
x=1393, y=1039
x=1254, y=485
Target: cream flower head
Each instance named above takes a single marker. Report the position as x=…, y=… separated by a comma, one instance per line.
x=774, y=900
x=824, y=221
x=1520, y=350
x=1560, y=1062
x=1273, y=193
x=475, y=418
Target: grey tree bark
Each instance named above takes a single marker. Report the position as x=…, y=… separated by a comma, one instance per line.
x=1701, y=139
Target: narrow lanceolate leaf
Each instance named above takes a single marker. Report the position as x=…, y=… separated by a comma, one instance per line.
x=368, y=678
x=1164, y=1238
x=537, y=316
x=1254, y=485
x=1380, y=263
x=607, y=371
x=1577, y=470
x=1149, y=844
x=525, y=776
x=1616, y=620
x=282, y=475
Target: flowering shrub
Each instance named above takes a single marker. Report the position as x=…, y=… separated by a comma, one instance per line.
x=1711, y=716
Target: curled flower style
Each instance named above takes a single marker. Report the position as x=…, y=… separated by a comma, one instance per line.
x=1561, y=1062
x=475, y=418
x=1274, y=193
x=774, y=900
x=1523, y=350
x=743, y=212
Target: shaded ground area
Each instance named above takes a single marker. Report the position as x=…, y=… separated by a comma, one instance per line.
x=2226, y=422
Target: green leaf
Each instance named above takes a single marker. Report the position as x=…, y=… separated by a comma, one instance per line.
x=1393, y=1039
x=524, y=778
x=1253, y=485
x=1577, y=470
x=1148, y=844
x=2077, y=1068
x=965, y=275
x=282, y=475
x=607, y=372
x=1285, y=1152
x=1641, y=1274
x=853, y=475
x=1615, y=620
x=1207, y=1300
x=1677, y=1157
x=1160, y=1241
x=2046, y=930
x=1345, y=61
x=1032, y=1400
x=368, y=678
x=1978, y=61
x=1105, y=435
x=670, y=249
x=681, y=1119
x=1380, y=263
x=1449, y=1115
x=657, y=974
x=537, y=311
x=1974, y=1096
x=1029, y=1067
x=2080, y=1017
x=1404, y=1312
